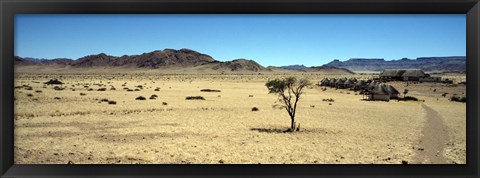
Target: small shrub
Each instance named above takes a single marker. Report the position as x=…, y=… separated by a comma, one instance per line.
x=38, y=91
x=140, y=98
x=328, y=100
x=113, y=88
x=102, y=89
x=54, y=82
x=462, y=99
x=137, y=89
x=104, y=100
x=409, y=98
x=251, y=96
x=255, y=109
x=164, y=103
x=444, y=94
x=157, y=89
x=58, y=88
x=129, y=90
x=153, y=97
x=194, y=98
x=83, y=94
x=29, y=95
x=209, y=90
x=28, y=88
x=57, y=98
x=112, y=102
x=90, y=89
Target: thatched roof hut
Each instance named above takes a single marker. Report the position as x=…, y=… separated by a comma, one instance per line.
x=402, y=74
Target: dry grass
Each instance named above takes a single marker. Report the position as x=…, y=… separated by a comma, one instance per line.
x=82, y=129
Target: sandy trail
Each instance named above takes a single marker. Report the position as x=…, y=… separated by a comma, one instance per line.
x=431, y=144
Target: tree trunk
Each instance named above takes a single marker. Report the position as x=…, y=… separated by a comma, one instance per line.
x=292, y=127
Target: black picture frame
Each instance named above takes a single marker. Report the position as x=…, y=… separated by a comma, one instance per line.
x=8, y=8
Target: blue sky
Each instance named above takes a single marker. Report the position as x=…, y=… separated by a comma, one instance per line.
x=274, y=40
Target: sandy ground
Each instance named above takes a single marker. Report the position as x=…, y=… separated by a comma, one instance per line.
x=223, y=129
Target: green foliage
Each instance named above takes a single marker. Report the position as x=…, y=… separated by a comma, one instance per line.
x=289, y=91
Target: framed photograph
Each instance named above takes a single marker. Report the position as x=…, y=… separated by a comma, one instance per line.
x=239, y=88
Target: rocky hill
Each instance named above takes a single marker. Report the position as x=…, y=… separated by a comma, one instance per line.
x=454, y=63
x=167, y=58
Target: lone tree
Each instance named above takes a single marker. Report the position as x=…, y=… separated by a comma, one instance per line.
x=289, y=91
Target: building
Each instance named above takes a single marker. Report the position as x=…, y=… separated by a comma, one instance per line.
x=407, y=75
x=382, y=92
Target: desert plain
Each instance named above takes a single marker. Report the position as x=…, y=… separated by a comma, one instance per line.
x=81, y=125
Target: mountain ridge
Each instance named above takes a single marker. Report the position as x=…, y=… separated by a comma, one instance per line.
x=448, y=63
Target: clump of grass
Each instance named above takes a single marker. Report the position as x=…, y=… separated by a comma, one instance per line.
x=251, y=96
x=140, y=98
x=28, y=88
x=444, y=94
x=157, y=89
x=255, y=109
x=38, y=91
x=328, y=100
x=194, y=98
x=113, y=88
x=102, y=89
x=83, y=94
x=164, y=103
x=57, y=98
x=209, y=90
x=112, y=102
x=129, y=90
x=137, y=89
x=104, y=100
x=90, y=89
x=29, y=95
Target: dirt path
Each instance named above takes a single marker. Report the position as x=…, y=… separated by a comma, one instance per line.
x=431, y=144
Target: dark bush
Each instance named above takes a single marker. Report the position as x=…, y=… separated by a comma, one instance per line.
x=102, y=89
x=153, y=97
x=462, y=99
x=164, y=103
x=104, y=100
x=29, y=95
x=209, y=90
x=38, y=91
x=194, y=98
x=409, y=98
x=83, y=94
x=54, y=82
x=112, y=102
x=140, y=98
x=28, y=88
x=255, y=109
x=57, y=98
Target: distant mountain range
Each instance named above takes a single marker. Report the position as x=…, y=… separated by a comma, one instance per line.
x=454, y=63
x=186, y=58
x=294, y=67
